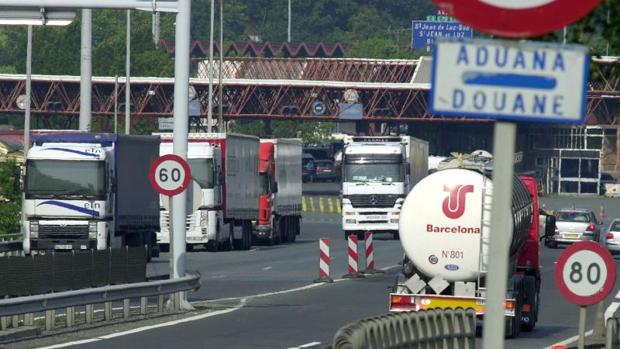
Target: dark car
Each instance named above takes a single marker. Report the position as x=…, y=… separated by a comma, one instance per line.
x=308, y=168
x=326, y=171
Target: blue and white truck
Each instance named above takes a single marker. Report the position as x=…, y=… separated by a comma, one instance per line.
x=90, y=191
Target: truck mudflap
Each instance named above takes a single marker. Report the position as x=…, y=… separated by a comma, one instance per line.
x=416, y=302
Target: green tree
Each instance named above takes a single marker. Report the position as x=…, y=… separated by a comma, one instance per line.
x=10, y=197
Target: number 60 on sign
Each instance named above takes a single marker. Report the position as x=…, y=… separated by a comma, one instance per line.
x=170, y=175
x=585, y=273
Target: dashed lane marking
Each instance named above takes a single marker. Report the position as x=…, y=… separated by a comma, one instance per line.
x=307, y=345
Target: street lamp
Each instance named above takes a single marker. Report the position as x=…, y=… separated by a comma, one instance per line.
x=30, y=17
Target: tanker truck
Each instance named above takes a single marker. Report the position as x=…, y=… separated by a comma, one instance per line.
x=444, y=231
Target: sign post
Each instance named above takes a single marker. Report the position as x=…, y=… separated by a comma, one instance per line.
x=585, y=274
x=170, y=175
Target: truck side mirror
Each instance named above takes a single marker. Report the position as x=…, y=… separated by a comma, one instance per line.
x=549, y=226
x=274, y=187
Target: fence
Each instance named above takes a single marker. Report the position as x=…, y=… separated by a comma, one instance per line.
x=436, y=328
x=57, y=272
x=22, y=311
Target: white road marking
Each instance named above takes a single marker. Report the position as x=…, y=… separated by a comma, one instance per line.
x=253, y=250
x=307, y=345
x=570, y=340
x=267, y=268
x=146, y=328
x=390, y=267
x=242, y=303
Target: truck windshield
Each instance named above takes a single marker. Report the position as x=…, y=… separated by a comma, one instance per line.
x=62, y=178
x=373, y=173
x=202, y=172
x=264, y=183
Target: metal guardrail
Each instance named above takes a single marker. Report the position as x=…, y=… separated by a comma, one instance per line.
x=10, y=244
x=21, y=311
x=436, y=328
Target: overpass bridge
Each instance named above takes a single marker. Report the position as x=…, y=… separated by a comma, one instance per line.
x=285, y=89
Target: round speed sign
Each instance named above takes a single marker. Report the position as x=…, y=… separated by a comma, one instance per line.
x=170, y=175
x=585, y=273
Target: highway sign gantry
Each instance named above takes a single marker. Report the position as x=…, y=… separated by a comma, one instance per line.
x=585, y=273
x=517, y=18
x=510, y=80
x=170, y=175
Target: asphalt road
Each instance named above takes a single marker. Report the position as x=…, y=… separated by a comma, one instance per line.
x=312, y=314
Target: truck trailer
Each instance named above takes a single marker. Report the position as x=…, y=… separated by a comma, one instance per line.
x=377, y=174
x=444, y=231
x=280, y=196
x=223, y=197
x=90, y=191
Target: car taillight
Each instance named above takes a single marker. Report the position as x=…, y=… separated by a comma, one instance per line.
x=609, y=236
x=591, y=227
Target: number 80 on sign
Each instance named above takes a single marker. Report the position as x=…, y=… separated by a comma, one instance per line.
x=585, y=273
x=170, y=175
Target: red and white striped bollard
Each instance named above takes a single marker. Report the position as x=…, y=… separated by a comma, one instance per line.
x=324, y=261
x=353, y=258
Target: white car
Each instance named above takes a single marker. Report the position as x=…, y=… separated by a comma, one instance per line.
x=612, y=239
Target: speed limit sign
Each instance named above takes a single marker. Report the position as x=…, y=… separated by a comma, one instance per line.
x=170, y=175
x=585, y=273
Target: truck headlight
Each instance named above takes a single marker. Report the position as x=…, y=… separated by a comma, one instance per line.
x=204, y=218
x=92, y=230
x=34, y=229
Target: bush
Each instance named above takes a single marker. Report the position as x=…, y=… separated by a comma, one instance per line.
x=10, y=197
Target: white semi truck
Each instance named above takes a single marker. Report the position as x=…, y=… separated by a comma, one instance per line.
x=223, y=197
x=90, y=191
x=377, y=174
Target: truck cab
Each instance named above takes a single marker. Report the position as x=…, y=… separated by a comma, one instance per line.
x=375, y=181
x=204, y=216
x=66, y=197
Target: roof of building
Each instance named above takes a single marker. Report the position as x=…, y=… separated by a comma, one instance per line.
x=200, y=48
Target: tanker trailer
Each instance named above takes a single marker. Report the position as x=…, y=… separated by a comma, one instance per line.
x=444, y=231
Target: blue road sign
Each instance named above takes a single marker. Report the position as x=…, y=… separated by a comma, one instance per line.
x=510, y=80
x=423, y=33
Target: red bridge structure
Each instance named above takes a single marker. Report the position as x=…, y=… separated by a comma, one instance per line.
x=284, y=89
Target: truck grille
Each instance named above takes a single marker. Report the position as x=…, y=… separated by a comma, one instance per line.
x=190, y=220
x=373, y=200
x=63, y=232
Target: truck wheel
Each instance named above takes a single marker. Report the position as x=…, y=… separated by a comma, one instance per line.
x=189, y=247
x=293, y=229
x=285, y=230
x=246, y=241
x=212, y=246
x=396, y=235
x=164, y=247
x=531, y=298
x=513, y=324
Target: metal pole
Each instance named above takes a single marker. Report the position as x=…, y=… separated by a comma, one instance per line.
x=28, y=86
x=499, y=240
x=581, y=342
x=210, y=102
x=86, y=71
x=220, y=120
x=128, y=77
x=181, y=118
x=607, y=41
x=565, y=32
x=289, y=22
x=115, y=103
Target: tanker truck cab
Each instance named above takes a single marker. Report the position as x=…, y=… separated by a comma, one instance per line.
x=374, y=184
x=66, y=197
x=204, y=219
x=444, y=230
